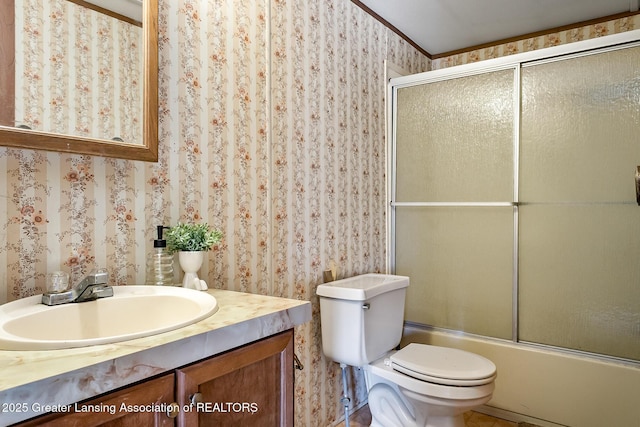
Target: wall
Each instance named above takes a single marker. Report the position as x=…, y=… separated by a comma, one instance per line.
x=271, y=125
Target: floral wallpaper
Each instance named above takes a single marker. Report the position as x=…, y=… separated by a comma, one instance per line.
x=552, y=39
x=271, y=128
x=69, y=59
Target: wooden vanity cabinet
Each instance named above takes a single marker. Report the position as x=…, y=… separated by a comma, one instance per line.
x=247, y=386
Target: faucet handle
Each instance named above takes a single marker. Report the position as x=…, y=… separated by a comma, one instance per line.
x=56, y=282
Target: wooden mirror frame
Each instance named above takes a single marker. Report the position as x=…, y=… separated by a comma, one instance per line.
x=148, y=151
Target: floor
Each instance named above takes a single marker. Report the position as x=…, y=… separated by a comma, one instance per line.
x=362, y=418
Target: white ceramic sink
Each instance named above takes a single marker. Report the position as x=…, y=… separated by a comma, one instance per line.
x=132, y=312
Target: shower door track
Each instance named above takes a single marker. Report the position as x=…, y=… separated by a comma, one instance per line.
x=454, y=204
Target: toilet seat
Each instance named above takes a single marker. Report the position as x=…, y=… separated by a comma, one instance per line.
x=382, y=368
x=443, y=365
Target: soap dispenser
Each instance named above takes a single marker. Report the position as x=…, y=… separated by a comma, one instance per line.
x=160, y=262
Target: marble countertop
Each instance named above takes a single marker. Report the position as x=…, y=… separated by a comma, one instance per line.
x=30, y=380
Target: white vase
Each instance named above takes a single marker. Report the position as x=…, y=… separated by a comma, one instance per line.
x=190, y=262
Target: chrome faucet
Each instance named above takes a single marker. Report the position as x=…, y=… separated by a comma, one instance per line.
x=92, y=287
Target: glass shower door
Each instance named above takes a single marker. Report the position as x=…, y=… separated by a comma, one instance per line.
x=579, y=243
x=453, y=204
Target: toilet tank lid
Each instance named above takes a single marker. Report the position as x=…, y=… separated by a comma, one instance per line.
x=362, y=287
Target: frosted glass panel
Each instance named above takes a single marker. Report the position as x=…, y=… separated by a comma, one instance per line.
x=460, y=261
x=580, y=277
x=579, y=225
x=580, y=122
x=454, y=139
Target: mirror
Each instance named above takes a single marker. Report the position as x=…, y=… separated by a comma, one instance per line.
x=141, y=103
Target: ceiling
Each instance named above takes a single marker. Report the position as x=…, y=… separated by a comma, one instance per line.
x=439, y=26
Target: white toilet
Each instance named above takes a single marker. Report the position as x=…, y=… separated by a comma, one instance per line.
x=419, y=385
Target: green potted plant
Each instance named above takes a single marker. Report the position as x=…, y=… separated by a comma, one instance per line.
x=191, y=241
x=191, y=237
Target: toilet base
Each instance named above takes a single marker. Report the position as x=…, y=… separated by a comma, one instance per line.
x=438, y=412
x=388, y=410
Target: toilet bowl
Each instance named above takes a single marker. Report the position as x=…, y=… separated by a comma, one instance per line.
x=437, y=385
x=419, y=385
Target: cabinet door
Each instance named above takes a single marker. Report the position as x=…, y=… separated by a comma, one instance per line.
x=248, y=386
x=131, y=406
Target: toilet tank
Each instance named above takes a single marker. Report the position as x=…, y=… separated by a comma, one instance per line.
x=362, y=317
